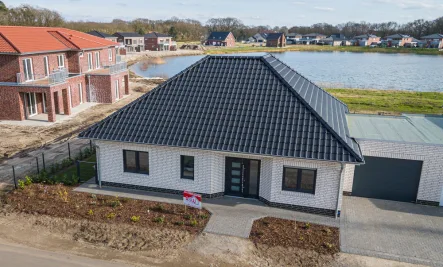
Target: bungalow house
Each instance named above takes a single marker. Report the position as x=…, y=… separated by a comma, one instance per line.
x=221, y=39
x=155, y=41
x=366, y=40
x=311, y=38
x=49, y=71
x=260, y=37
x=293, y=37
x=284, y=141
x=398, y=40
x=132, y=41
x=103, y=35
x=276, y=40
x=433, y=40
x=336, y=39
x=403, y=158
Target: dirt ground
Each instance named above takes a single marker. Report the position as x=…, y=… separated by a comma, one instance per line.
x=14, y=139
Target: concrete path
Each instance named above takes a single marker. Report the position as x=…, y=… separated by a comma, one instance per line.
x=13, y=255
x=230, y=216
x=392, y=230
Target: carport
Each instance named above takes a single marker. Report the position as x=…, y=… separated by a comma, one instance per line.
x=403, y=158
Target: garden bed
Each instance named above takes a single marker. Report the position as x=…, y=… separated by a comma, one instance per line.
x=61, y=201
x=287, y=233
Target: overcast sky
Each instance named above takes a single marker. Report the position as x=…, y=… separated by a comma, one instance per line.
x=251, y=12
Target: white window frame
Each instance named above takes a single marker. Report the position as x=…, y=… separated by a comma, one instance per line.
x=46, y=65
x=80, y=91
x=28, y=102
x=110, y=55
x=117, y=90
x=70, y=96
x=61, y=61
x=90, y=62
x=44, y=102
x=25, y=70
x=97, y=60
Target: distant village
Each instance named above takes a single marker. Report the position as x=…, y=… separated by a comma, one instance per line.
x=154, y=41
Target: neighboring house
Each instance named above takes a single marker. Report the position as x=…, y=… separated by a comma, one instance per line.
x=433, y=40
x=293, y=37
x=336, y=39
x=398, y=40
x=366, y=40
x=277, y=39
x=260, y=37
x=132, y=41
x=311, y=38
x=49, y=71
x=103, y=35
x=221, y=39
x=155, y=41
x=241, y=126
x=403, y=158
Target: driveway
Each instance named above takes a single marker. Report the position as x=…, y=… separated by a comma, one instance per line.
x=392, y=230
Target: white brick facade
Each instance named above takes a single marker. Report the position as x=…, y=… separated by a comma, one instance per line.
x=164, y=164
x=431, y=180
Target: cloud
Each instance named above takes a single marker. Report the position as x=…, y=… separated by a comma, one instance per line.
x=323, y=8
x=412, y=4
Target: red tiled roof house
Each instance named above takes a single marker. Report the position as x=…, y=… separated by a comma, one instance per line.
x=52, y=70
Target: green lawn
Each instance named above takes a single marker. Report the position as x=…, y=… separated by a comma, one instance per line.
x=86, y=169
x=241, y=48
x=390, y=102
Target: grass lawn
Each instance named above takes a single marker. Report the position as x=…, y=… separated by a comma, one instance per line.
x=390, y=102
x=241, y=48
x=87, y=170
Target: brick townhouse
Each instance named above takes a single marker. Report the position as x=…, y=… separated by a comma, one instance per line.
x=52, y=70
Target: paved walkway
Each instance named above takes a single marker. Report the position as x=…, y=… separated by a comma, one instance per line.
x=230, y=216
x=392, y=230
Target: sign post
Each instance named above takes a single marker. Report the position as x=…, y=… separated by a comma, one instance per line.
x=192, y=200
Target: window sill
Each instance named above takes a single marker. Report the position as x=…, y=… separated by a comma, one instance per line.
x=296, y=193
x=138, y=173
x=185, y=178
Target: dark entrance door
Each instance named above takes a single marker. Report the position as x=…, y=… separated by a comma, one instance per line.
x=242, y=177
x=386, y=178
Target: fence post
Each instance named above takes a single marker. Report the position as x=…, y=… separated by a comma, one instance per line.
x=15, y=180
x=95, y=172
x=38, y=169
x=69, y=151
x=44, y=164
x=90, y=144
x=77, y=163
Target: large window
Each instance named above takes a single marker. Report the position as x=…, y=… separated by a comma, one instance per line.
x=136, y=161
x=110, y=55
x=97, y=60
x=61, y=61
x=187, y=167
x=90, y=61
x=27, y=69
x=46, y=65
x=299, y=180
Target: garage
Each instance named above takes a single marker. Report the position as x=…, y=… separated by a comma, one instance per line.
x=387, y=178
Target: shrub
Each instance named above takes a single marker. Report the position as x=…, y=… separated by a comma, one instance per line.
x=180, y=223
x=28, y=180
x=188, y=216
x=66, y=163
x=94, y=196
x=193, y=223
x=307, y=225
x=135, y=218
x=21, y=184
x=203, y=216
x=90, y=213
x=115, y=202
x=63, y=195
x=110, y=215
x=159, y=207
x=301, y=238
x=159, y=220
x=328, y=245
x=327, y=231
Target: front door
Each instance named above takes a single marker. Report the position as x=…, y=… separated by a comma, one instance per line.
x=31, y=104
x=242, y=177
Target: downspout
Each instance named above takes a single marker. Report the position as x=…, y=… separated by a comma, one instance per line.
x=97, y=152
x=339, y=188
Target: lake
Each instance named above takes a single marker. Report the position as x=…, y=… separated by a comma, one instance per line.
x=336, y=69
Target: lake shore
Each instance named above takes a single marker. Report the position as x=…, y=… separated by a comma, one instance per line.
x=319, y=48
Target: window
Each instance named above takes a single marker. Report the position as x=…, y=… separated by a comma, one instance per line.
x=46, y=65
x=80, y=93
x=299, y=180
x=136, y=161
x=97, y=60
x=27, y=69
x=110, y=55
x=61, y=61
x=187, y=167
x=90, y=61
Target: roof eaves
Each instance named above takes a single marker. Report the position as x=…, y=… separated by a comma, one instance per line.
x=333, y=132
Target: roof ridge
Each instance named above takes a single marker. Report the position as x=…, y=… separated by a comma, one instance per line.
x=91, y=40
x=318, y=116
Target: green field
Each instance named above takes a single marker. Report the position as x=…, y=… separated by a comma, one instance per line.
x=240, y=48
x=390, y=102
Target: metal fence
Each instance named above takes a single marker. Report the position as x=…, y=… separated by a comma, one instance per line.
x=53, y=163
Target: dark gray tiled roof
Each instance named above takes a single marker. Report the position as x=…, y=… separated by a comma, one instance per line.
x=128, y=34
x=274, y=36
x=156, y=34
x=218, y=35
x=100, y=34
x=253, y=105
x=433, y=36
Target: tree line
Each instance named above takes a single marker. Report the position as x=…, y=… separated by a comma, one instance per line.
x=194, y=30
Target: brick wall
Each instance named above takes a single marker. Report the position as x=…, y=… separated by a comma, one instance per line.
x=11, y=107
x=103, y=86
x=38, y=65
x=164, y=164
x=431, y=180
x=103, y=58
x=9, y=67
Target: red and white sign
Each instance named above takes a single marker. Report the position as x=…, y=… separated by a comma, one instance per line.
x=192, y=200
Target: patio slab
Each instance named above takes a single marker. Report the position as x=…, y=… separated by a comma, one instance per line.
x=230, y=215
